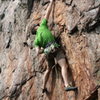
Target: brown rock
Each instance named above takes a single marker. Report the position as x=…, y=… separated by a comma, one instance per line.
x=21, y=74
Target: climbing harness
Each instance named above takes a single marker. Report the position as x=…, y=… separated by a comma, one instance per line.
x=51, y=48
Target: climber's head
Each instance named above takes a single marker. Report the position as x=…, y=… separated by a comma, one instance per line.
x=34, y=29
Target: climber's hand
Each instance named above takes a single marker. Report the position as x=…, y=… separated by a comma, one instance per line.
x=41, y=51
x=51, y=0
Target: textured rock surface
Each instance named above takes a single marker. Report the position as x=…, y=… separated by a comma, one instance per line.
x=78, y=21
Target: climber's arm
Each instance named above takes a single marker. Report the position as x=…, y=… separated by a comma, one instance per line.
x=49, y=10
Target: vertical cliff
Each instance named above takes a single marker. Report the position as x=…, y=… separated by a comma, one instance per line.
x=77, y=22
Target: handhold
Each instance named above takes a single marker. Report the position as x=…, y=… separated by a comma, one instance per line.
x=44, y=3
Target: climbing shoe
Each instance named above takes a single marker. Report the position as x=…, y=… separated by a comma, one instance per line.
x=70, y=88
x=44, y=90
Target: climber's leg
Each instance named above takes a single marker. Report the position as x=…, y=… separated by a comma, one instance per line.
x=60, y=57
x=64, y=66
x=50, y=64
x=45, y=77
x=62, y=62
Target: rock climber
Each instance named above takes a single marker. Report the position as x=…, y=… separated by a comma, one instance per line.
x=45, y=43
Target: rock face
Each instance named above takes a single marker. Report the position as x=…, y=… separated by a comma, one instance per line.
x=78, y=21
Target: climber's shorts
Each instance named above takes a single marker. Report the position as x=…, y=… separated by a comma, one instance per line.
x=58, y=55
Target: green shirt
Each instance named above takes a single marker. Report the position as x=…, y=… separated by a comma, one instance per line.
x=43, y=35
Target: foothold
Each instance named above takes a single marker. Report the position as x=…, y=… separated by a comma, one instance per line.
x=8, y=44
x=0, y=27
x=2, y=16
x=68, y=2
x=44, y=90
x=25, y=44
x=98, y=29
x=0, y=70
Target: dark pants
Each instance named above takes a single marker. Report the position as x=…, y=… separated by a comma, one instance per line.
x=58, y=54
